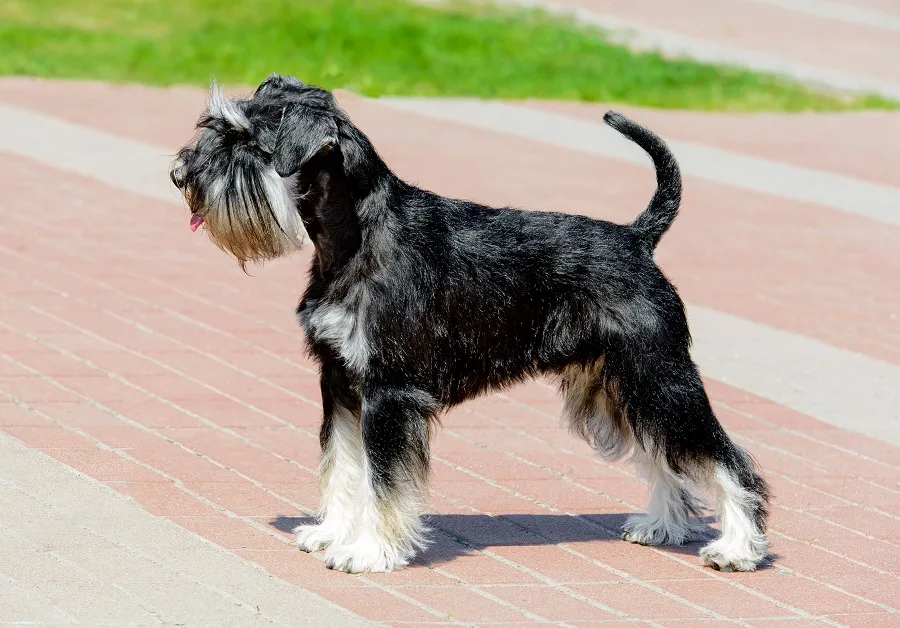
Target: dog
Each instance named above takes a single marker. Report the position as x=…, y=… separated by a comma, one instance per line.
x=417, y=302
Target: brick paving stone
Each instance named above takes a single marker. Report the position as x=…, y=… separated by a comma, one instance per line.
x=636, y=562
x=555, y=563
x=480, y=569
x=104, y=465
x=164, y=498
x=813, y=597
x=556, y=605
x=640, y=601
x=470, y=608
x=284, y=563
x=231, y=533
x=378, y=605
x=870, y=620
x=704, y=623
x=722, y=597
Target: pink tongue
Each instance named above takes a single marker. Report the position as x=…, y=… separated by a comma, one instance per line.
x=196, y=221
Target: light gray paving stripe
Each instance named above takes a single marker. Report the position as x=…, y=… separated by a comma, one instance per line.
x=672, y=44
x=806, y=185
x=74, y=550
x=840, y=387
x=105, y=157
x=843, y=388
x=840, y=12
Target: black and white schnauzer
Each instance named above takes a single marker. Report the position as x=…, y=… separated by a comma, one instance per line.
x=417, y=302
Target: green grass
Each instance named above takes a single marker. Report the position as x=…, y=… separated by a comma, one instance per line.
x=376, y=47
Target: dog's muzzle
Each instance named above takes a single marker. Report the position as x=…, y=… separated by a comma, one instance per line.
x=178, y=175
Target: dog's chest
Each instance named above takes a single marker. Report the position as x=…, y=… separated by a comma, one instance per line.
x=341, y=325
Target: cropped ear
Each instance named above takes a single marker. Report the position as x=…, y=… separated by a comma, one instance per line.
x=304, y=133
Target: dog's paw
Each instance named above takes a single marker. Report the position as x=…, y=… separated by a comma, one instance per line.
x=364, y=555
x=312, y=538
x=723, y=557
x=648, y=530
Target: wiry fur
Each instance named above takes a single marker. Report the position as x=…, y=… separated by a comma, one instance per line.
x=417, y=302
x=340, y=478
x=228, y=179
x=672, y=504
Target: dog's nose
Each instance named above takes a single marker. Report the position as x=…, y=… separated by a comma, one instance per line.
x=177, y=175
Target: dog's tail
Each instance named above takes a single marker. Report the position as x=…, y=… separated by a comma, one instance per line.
x=660, y=213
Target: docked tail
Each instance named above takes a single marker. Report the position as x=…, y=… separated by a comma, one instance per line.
x=660, y=213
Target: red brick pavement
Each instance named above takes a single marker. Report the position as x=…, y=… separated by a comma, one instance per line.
x=135, y=352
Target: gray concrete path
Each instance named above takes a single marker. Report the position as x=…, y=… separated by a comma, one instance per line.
x=77, y=552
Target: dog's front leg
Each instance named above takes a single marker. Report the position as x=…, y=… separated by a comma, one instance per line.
x=340, y=469
x=395, y=430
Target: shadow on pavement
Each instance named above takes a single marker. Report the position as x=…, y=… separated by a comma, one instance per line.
x=460, y=535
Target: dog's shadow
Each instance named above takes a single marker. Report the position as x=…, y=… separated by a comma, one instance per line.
x=461, y=535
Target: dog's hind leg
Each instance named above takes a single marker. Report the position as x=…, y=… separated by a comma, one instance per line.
x=593, y=412
x=742, y=499
x=395, y=436
x=682, y=444
x=668, y=519
x=341, y=465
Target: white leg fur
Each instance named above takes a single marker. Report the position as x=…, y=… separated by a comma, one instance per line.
x=341, y=471
x=388, y=530
x=742, y=545
x=667, y=521
x=360, y=531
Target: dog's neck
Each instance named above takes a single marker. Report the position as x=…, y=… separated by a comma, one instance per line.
x=344, y=200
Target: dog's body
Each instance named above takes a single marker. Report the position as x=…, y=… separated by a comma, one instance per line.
x=417, y=302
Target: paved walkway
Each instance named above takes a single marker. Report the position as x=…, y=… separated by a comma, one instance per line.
x=77, y=551
x=158, y=419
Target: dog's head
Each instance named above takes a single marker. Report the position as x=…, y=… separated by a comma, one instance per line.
x=241, y=176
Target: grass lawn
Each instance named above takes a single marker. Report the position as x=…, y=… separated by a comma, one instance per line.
x=376, y=47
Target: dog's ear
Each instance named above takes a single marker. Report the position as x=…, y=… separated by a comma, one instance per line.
x=304, y=133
